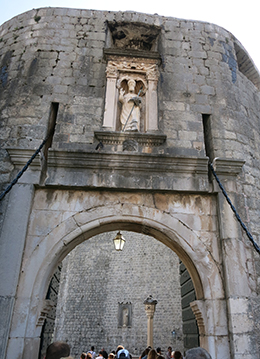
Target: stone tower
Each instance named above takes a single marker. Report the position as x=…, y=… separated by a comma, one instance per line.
x=192, y=94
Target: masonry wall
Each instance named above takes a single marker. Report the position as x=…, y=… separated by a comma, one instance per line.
x=95, y=279
x=55, y=55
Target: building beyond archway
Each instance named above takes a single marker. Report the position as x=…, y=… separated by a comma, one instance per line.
x=96, y=281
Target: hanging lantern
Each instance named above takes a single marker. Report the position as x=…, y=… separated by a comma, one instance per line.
x=119, y=242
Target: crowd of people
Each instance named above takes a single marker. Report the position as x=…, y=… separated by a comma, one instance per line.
x=61, y=350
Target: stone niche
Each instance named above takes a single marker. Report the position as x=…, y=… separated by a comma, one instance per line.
x=124, y=315
x=132, y=74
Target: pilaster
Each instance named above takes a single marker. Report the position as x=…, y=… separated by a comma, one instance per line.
x=235, y=254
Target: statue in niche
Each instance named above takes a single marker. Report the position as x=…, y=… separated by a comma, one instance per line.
x=125, y=317
x=131, y=105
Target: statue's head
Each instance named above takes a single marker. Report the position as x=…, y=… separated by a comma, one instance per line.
x=131, y=85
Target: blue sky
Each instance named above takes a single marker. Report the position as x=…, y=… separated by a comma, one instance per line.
x=240, y=18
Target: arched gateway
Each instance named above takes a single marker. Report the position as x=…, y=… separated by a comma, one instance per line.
x=119, y=212
x=195, y=100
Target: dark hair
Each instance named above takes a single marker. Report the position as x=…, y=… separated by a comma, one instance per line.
x=92, y=348
x=83, y=356
x=177, y=355
x=120, y=347
x=145, y=352
x=158, y=349
x=57, y=350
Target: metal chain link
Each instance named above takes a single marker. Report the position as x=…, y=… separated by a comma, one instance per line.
x=19, y=175
x=234, y=210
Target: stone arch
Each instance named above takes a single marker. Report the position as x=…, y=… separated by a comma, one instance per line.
x=40, y=262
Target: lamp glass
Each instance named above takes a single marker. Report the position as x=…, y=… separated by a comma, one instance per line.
x=119, y=242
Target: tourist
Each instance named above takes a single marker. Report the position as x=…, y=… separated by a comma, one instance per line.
x=152, y=354
x=111, y=356
x=120, y=347
x=159, y=351
x=57, y=350
x=100, y=356
x=177, y=355
x=197, y=353
x=123, y=354
x=169, y=353
x=83, y=356
x=104, y=353
x=92, y=352
x=145, y=353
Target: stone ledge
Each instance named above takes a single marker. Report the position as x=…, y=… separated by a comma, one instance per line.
x=112, y=160
x=131, y=53
x=227, y=166
x=120, y=170
x=118, y=138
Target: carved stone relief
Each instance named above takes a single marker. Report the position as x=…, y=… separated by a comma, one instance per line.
x=131, y=94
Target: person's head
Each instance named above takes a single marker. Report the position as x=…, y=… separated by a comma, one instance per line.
x=158, y=350
x=177, y=355
x=197, y=353
x=111, y=356
x=120, y=347
x=152, y=354
x=89, y=356
x=131, y=85
x=57, y=350
x=145, y=352
x=83, y=356
x=169, y=349
x=92, y=348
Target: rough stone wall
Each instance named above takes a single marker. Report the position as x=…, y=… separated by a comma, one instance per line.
x=95, y=279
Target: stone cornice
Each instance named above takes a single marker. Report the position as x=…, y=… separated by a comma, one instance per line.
x=113, y=160
x=227, y=166
x=116, y=170
x=118, y=138
x=108, y=52
x=123, y=170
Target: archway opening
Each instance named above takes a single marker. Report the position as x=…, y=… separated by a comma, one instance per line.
x=97, y=283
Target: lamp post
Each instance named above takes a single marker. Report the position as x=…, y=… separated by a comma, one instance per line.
x=150, y=304
x=119, y=242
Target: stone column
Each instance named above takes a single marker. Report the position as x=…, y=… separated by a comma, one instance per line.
x=150, y=304
x=151, y=101
x=109, y=121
